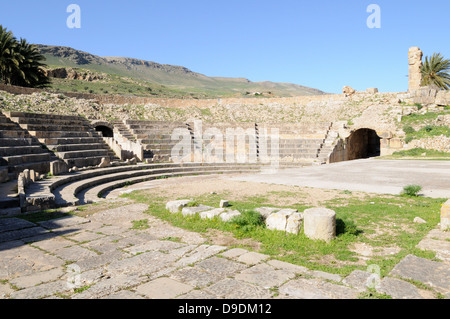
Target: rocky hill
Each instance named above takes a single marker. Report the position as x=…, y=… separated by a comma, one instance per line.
x=174, y=77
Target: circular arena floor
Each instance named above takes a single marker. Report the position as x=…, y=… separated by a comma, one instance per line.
x=367, y=175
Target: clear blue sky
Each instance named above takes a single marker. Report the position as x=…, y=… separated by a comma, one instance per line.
x=324, y=44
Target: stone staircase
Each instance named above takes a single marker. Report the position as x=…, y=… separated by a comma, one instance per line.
x=155, y=137
x=19, y=150
x=71, y=138
x=300, y=143
x=123, y=131
x=328, y=145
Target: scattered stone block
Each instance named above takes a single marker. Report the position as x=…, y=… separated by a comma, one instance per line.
x=210, y=214
x=105, y=162
x=224, y=203
x=445, y=216
x=189, y=211
x=419, y=220
x=26, y=175
x=227, y=216
x=33, y=175
x=294, y=223
x=279, y=220
x=266, y=211
x=372, y=90
x=320, y=224
x=347, y=90
x=177, y=205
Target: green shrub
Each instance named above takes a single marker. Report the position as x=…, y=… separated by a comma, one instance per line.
x=408, y=139
x=428, y=128
x=408, y=129
x=418, y=105
x=411, y=190
x=248, y=220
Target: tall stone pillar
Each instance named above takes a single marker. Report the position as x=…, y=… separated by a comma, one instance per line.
x=415, y=65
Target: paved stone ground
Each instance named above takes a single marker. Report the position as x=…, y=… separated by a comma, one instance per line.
x=100, y=256
x=366, y=175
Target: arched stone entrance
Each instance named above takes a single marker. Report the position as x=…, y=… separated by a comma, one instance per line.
x=105, y=130
x=103, y=127
x=363, y=143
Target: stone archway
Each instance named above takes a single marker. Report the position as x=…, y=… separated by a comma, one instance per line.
x=105, y=130
x=363, y=143
x=103, y=127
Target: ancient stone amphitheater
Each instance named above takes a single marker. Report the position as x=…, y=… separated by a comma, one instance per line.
x=50, y=160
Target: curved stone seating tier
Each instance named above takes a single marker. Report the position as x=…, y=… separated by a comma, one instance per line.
x=64, y=190
x=96, y=194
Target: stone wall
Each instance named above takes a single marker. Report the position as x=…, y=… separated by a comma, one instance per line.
x=438, y=143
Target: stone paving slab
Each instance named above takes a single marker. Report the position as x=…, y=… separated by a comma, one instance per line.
x=265, y=276
x=163, y=288
x=107, y=259
x=317, y=289
x=21, y=233
x=432, y=273
x=400, y=289
x=9, y=224
x=63, y=222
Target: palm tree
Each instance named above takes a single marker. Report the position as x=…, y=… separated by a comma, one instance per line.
x=31, y=72
x=9, y=59
x=20, y=62
x=435, y=72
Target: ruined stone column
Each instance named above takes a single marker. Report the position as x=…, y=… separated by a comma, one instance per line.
x=415, y=65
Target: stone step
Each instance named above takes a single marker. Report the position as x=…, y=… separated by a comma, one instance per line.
x=83, y=153
x=155, y=129
x=14, y=134
x=143, y=122
x=21, y=150
x=66, y=194
x=53, y=128
x=9, y=127
x=29, y=158
x=91, y=195
x=77, y=147
x=159, y=141
x=84, y=161
x=71, y=140
x=298, y=156
x=42, y=167
x=15, y=142
x=50, y=121
x=141, y=137
x=143, y=134
x=9, y=202
x=41, y=115
x=63, y=134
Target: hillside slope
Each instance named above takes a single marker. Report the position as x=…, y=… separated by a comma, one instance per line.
x=175, y=77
